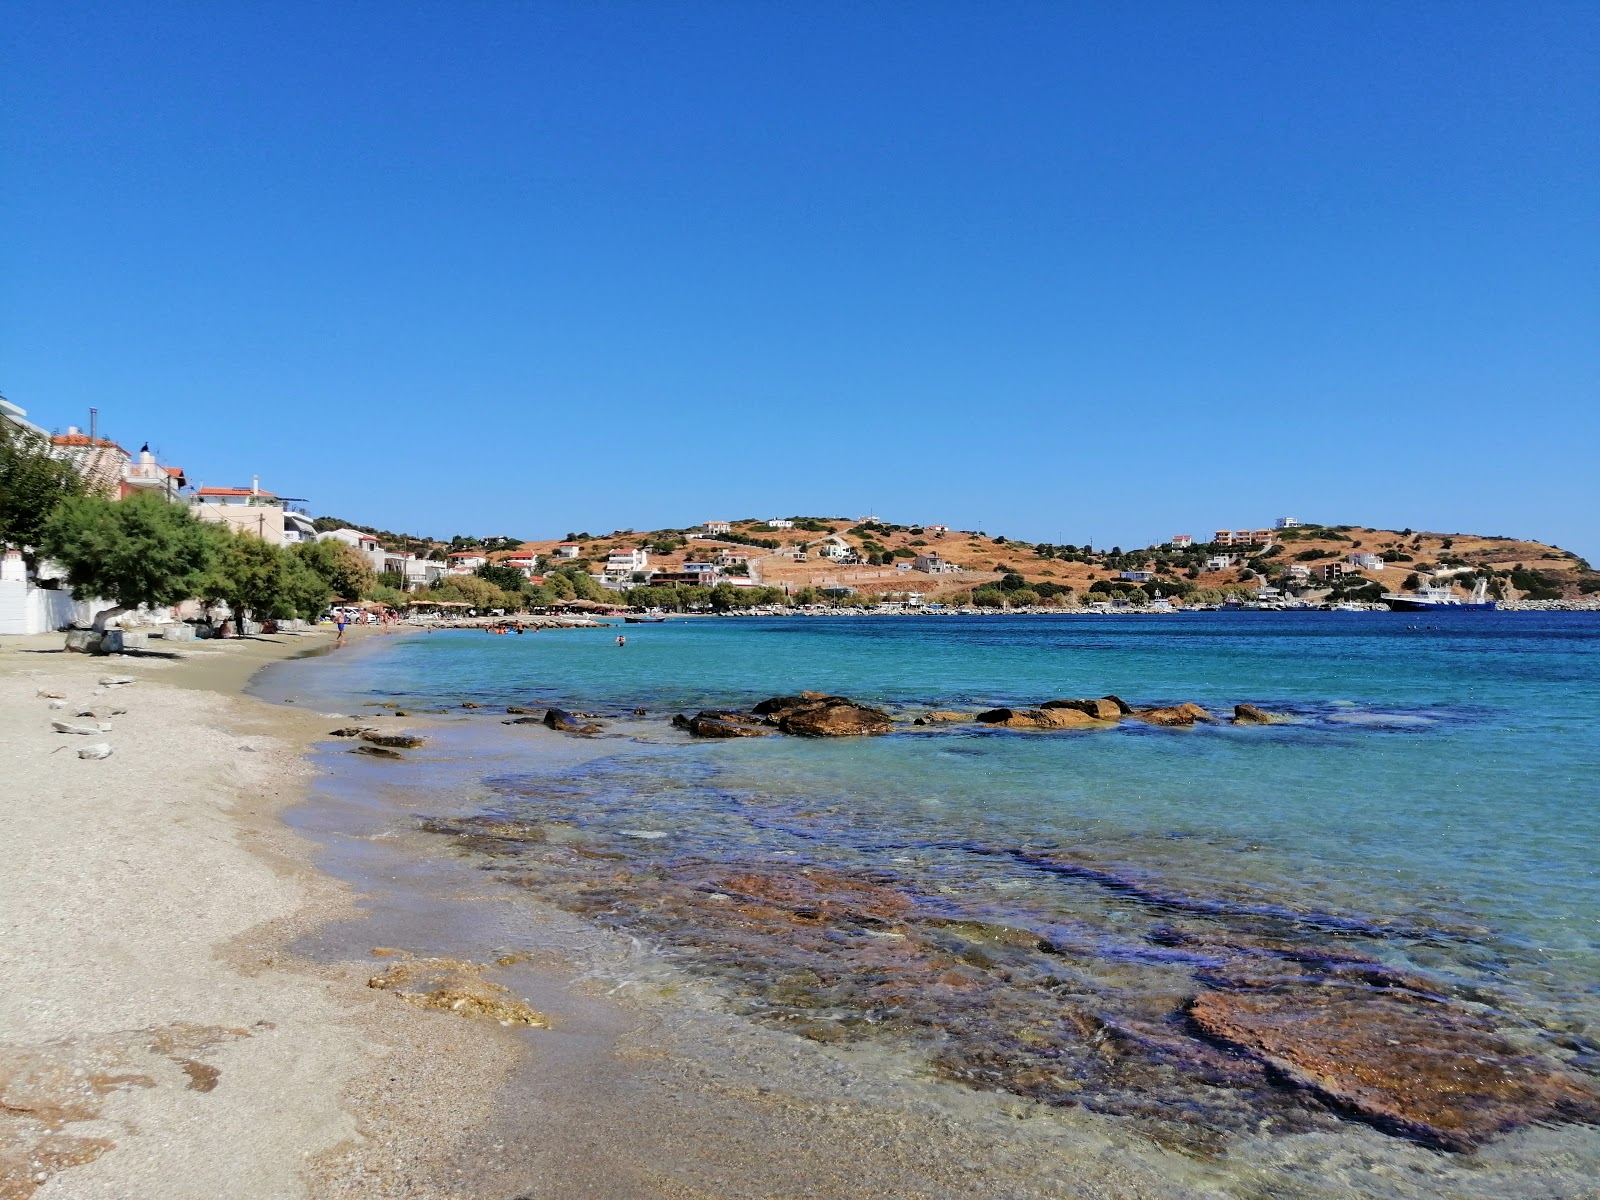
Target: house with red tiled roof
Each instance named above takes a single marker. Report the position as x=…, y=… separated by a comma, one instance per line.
x=252, y=510
x=101, y=462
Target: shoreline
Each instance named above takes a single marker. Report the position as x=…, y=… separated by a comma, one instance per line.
x=159, y=1036
x=229, y=1043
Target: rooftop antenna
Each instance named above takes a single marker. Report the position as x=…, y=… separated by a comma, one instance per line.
x=94, y=422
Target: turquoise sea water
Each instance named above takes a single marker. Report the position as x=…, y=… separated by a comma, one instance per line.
x=1432, y=804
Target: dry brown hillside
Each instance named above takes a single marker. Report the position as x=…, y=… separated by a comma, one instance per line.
x=883, y=549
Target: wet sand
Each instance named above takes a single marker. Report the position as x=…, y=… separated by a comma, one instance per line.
x=156, y=1037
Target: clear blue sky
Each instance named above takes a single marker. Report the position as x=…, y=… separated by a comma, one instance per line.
x=1060, y=270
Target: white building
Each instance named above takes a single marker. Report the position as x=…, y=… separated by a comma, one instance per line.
x=1220, y=562
x=622, y=565
x=937, y=528
x=528, y=564
x=567, y=550
x=1365, y=560
x=780, y=523
x=1138, y=576
x=297, y=527
x=717, y=527
x=13, y=414
x=465, y=562
x=1286, y=523
x=147, y=475
x=246, y=510
x=932, y=563
x=1180, y=541
x=415, y=572
x=1297, y=572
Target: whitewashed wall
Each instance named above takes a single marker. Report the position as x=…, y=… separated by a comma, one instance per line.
x=28, y=609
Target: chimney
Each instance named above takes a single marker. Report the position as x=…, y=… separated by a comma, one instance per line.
x=94, y=423
x=255, y=485
x=72, y=431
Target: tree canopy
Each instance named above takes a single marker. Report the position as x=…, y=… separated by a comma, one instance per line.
x=33, y=484
x=144, y=550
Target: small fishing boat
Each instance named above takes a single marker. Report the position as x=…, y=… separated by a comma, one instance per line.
x=645, y=620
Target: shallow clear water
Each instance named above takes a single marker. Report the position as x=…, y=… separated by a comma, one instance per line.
x=1432, y=807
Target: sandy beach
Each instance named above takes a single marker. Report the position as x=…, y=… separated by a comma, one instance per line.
x=167, y=1032
x=156, y=1040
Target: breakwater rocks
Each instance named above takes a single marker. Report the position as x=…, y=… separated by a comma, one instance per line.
x=1196, y=1017
x=817, y=714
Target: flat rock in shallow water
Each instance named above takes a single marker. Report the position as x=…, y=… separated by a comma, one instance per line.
x=834, y=717
x=1424, y=1069
x=1106, y=708
x=713, y=724
x=1038, y=718
x=1173, y=715
x=398, y=741
x=376, y=752
x=941, y=717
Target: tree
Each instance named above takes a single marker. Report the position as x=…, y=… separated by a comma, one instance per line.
x=507, y=579
x=342, y=565
x=470, y=589
x=144, y=550
x=33, y=484
x=250, y=576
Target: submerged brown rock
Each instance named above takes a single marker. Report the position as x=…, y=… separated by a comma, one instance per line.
x=1038, y=718
x=450, y=985
x=1429, y=1070
x=714, y=723
x=941, y=716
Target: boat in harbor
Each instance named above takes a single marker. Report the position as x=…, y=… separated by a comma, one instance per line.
x=1441, y=599
x=645, y=620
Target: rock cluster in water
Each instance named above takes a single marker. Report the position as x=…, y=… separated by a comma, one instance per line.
x=817, y=714
x=1192, y=1015
x=810, y=714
